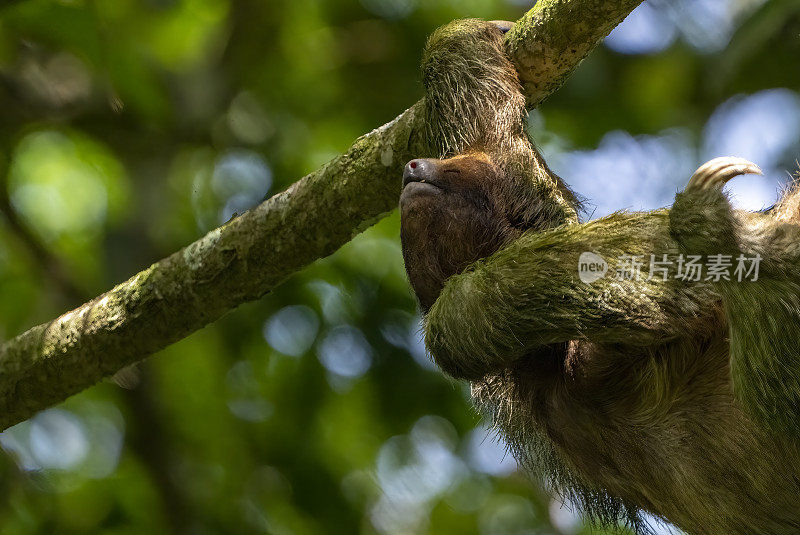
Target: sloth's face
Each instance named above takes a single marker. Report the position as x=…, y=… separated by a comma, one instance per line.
x=449, y=217
x=469, y=177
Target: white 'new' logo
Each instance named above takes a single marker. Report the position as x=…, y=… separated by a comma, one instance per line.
x=591, y=267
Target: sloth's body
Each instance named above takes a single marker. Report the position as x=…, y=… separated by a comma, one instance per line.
x=657, y=429
x=620, y=392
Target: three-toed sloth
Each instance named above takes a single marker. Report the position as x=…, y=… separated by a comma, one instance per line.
x=641, y=390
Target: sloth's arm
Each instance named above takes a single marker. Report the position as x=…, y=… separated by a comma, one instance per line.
x=529, y=294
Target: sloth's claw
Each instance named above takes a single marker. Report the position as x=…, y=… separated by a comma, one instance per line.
x=715, y=173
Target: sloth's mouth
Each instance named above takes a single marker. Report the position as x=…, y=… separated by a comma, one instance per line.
x=416, y=187
x=417, y=180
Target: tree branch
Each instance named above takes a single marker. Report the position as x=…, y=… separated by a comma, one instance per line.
x=549, y=42
x=235, y=263
x=250, y=255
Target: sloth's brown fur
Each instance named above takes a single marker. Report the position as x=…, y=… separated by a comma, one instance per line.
x=619, y=395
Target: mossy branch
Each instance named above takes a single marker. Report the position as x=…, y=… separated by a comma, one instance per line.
x=549, y=42
x=249, y=256
x=231, y=265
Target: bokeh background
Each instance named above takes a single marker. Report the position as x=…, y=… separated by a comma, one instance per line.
x=130, y=128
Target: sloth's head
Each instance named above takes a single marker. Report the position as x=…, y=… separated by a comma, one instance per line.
x=461, y=209
x=451, y=215
x=491, y=184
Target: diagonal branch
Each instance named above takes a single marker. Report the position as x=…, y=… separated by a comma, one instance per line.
x=250, y=255
x=236, y=263
x=549, y=42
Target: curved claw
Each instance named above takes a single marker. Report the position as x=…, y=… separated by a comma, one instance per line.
x=715, y=173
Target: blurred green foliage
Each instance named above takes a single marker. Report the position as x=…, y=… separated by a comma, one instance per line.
x=130, y=128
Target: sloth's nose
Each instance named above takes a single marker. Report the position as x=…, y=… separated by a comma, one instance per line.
x=417, y=171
